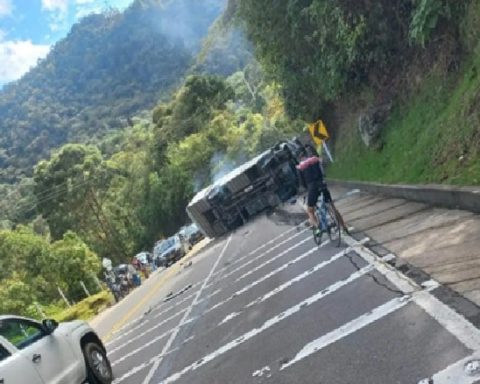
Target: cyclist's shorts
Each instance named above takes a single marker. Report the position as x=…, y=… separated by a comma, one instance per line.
x=313, y=192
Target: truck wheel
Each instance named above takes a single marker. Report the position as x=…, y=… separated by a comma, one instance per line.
x=99, y=370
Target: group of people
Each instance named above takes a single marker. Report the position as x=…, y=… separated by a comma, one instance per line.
x=125, y=277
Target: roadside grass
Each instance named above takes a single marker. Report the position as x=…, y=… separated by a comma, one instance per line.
x=432, y=138
x=85, y=309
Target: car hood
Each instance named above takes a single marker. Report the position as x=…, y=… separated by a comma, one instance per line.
x=69, y=327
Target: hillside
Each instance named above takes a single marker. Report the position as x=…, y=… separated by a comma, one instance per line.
x=108, y=68
x=396, y=82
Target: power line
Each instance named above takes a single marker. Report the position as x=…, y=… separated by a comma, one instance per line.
x=50, y=195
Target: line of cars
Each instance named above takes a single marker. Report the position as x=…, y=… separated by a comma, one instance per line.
x=168, y=251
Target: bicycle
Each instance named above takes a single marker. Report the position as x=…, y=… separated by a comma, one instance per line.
x=329, y=223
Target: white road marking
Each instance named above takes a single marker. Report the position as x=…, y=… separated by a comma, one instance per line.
x=141, y=334
x=447, y=317
x=290, y=282
x=297, y=278
x=268, y=324
x=347, y=329
x=269, y=261
x=452, y=321
x=240, y=259
x=401, y=281
x=257, y=300
x=455, y=323
x=174, y=334
x=229, y=317
x=456, y=373
x=265, y=277
x=121, y=337
x=137, y=350
x=274, y=239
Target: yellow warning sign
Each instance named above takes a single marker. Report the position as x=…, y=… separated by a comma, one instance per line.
x=318, y=131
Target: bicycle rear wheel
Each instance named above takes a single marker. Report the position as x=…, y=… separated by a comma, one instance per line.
x=334, y=230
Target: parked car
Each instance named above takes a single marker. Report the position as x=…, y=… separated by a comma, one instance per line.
x=37, y=353
x=169, y=251
x=192, y=234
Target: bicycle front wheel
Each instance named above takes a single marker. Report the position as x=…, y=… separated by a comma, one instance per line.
x=334, y=229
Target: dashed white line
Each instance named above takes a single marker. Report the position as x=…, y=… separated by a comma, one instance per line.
x=137, y=350
x=245, y=289
x=268, y=324
x=140, y=335
x=174, y=334
x=240, y=259
x=269, y=261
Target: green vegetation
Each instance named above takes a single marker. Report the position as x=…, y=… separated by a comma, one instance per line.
x=85, y=309
x=131, y=188
x=338, y=60
x=109, y=68
x=33, y=269
x=433, y=138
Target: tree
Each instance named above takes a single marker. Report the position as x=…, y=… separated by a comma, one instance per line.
x=71, y=262
x=70, y=189
x=317, y=49
x=192, y=107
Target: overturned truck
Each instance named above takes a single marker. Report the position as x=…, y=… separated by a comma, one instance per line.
x=261, y=183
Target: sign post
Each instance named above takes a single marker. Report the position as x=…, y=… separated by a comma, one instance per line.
x=319, y=134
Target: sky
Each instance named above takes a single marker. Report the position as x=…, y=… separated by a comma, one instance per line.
x=28, y=28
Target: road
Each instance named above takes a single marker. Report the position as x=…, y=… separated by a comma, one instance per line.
x=266, y=305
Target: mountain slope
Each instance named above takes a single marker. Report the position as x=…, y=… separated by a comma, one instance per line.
x=107, y=69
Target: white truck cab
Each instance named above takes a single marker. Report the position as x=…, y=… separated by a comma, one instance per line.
x=50, y=353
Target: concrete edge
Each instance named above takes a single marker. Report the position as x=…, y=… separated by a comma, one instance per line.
x=464, y=198
x=465, y=307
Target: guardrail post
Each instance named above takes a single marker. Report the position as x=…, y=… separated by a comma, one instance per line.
x=85, y=288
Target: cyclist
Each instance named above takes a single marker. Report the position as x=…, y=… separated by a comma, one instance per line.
x=312, y=178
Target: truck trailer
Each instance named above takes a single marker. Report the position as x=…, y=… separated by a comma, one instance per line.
x=259, y=184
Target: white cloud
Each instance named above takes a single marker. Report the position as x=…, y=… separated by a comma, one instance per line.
x=80, y=2
x=58, y=10
x=84, y=11
x=55, y=5
x=5, y=8
x=17, y=57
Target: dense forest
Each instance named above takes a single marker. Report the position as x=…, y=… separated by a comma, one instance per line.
x=108, y=68
x=114, y=193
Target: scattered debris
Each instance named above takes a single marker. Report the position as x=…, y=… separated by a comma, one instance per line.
x=171, y=296
x=265, y=371
x=472, y=368
x=147, y=311
x=283, y=361
x=426, y=381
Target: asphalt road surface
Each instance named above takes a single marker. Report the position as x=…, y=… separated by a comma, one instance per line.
x=266, y=305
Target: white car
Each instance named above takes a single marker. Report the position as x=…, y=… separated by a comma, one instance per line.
x=50, y=353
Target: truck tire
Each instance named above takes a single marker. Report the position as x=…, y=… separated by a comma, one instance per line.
x=99, y=370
